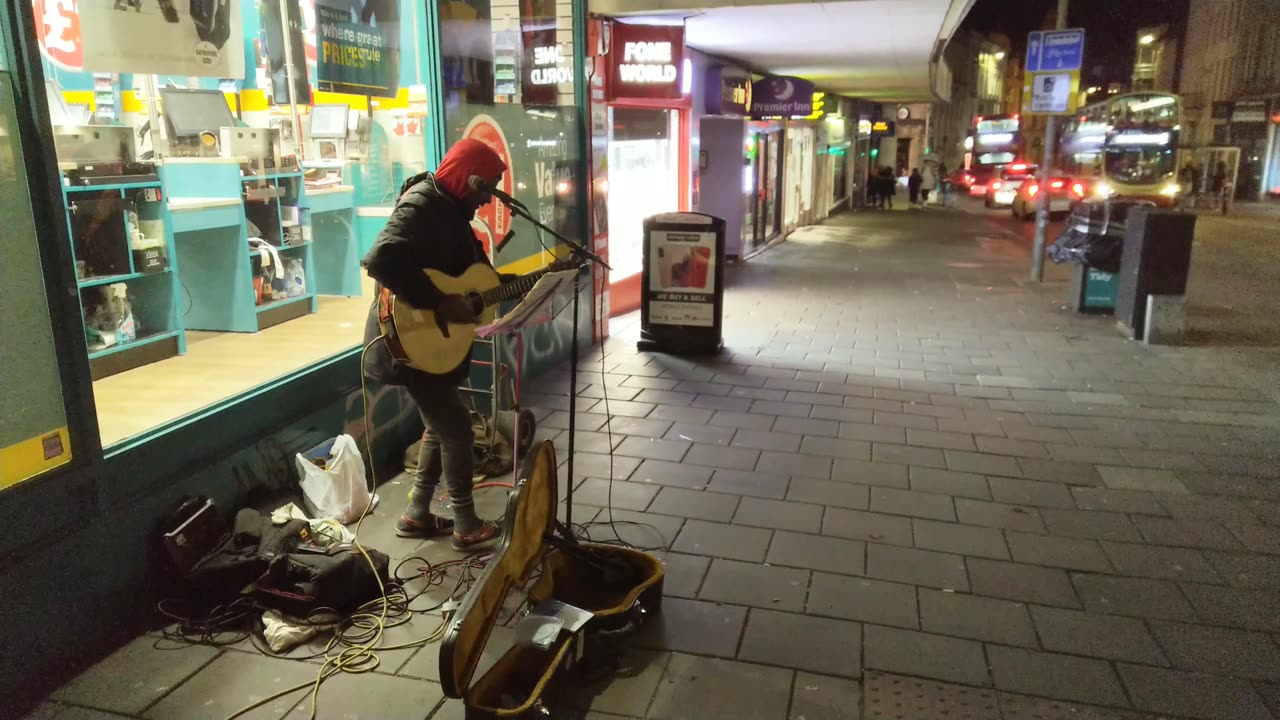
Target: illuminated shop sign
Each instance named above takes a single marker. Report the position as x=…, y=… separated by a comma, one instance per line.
x=727, y=92
x=645, y=61
x=779, y=96
x=881, y=127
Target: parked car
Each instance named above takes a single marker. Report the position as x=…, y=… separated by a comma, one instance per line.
x=1002, y=190
x=1064, y=193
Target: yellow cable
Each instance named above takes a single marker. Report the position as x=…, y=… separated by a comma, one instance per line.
x=360, y=658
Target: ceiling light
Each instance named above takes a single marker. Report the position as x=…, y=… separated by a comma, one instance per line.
x=1000, y=55
x=1147, y=39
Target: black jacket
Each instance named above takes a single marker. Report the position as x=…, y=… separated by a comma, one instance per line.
x=428, y=229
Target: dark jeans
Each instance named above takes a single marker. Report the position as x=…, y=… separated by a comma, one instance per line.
x=446, y=449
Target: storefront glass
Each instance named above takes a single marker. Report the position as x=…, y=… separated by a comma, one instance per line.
x=33, y=436
x=223, y=169
x=509, y=83
x=643, y=165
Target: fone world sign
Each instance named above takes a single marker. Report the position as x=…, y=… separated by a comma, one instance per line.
x=645, y=61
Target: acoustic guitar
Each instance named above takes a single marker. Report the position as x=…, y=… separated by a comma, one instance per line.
x=432, y=345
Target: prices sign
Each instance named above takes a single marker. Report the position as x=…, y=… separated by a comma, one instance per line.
x=352, y=57
x=645, y=61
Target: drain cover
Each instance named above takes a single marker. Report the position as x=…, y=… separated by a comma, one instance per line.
x=895, y=697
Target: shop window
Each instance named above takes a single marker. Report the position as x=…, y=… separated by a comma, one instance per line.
x=224, y=167
x=33, y=435
x=509, y=83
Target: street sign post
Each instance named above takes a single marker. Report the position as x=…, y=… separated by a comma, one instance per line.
x=1051, y=93
x=1054, y=59
x=1055, y=50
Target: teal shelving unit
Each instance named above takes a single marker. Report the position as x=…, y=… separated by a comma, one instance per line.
x=332, y=221
x=98, y=224
x=213, y=204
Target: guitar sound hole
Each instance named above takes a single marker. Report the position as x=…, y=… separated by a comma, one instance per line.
x=477, y=302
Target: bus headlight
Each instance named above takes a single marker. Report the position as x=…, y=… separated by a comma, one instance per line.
x=1103, y=190
x=1169, y=190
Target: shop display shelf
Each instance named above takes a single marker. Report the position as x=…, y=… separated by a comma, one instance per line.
x=287, y=301
x=146, y=339
x=112, y=279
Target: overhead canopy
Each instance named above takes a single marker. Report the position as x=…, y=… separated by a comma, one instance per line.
x=877, y=49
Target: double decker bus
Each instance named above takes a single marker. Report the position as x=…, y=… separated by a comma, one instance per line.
x=997, y=142
x=1126, y=147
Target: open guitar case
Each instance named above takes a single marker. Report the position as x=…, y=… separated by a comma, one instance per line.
x=620, y=586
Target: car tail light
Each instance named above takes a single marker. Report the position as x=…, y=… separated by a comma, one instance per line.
x=968, y=179
x=1056, y=184
x=996, y=185
x=1032, y=190
x=1018, y=166
x=1078, y=189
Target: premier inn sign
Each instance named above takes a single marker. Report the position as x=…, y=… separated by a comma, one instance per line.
x=778, y=96
x=645, y=61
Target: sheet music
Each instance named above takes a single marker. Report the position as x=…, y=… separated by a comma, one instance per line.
x=535, y=308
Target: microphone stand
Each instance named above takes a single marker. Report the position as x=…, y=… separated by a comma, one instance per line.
x=580, y=252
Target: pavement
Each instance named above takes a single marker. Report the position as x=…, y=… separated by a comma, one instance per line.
x=913, y=486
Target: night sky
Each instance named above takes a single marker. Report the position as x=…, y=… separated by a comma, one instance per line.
x=1109, y=26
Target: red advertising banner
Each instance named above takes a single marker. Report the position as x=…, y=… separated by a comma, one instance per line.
x=645, y=62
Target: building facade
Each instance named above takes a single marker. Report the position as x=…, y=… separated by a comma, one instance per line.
x=1231, y=86
x=979, y=68
x=1155, y=59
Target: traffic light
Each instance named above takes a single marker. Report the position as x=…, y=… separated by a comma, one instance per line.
x=875, y=152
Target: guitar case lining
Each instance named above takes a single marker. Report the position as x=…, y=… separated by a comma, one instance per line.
x=518, y=680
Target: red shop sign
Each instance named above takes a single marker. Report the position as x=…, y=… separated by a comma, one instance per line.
x=58, y=32
x=645, y=62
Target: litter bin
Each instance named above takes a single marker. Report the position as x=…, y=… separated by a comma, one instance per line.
x=1093, y=239
x=1156, y=261
x=1093, y=290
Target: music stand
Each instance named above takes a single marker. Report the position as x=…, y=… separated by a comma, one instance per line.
x=582, y=254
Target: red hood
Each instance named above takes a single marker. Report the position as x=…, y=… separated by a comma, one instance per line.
x=466, y=158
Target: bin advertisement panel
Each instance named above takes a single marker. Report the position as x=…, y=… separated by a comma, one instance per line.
x=682, y=278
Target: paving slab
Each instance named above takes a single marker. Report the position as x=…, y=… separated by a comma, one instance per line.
x=1096, y=635
x=898, y=696
x=804, y=642
x=757, y=585
x=1196, y=695
x=1055, y=675
x=924, y=655
x=976, y=617
x=701, y=687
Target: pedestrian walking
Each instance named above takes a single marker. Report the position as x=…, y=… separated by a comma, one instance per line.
x=873, y=188
x=928, y=183
x=888, y=187
x=913, y=187
x=1218, y=184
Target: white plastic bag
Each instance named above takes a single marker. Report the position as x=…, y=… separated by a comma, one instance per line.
x=338, y=490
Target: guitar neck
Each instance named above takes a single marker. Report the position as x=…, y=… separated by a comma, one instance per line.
x=513, y=289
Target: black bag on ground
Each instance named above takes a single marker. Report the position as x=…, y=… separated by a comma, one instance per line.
x=339, y=579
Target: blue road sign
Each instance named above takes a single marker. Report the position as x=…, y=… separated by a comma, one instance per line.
x=1055, y=50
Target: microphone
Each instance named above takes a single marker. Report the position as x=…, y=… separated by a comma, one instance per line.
x=476, y=183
